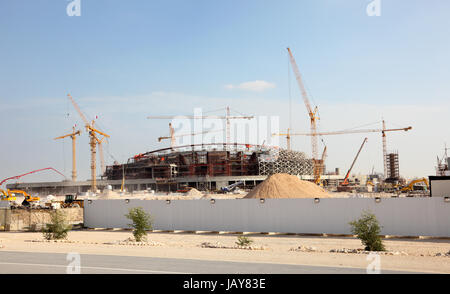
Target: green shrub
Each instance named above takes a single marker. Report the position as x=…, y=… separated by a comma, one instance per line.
x=368, y=230
x=58, y=226
x=141, y=222
x=243, y=241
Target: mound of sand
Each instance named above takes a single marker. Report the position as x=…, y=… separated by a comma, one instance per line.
x=287, y=186
x=194, y=192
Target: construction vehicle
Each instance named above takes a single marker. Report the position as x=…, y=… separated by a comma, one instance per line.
x=231, y=188
x=72, y=201
x=344, y=186
x=413, y=187
x=5, y=196
x=29, y=173
x=28, y=198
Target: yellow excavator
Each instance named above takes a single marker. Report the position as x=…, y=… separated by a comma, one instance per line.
x=28, y=199
x=5, y=196
x=411, y=185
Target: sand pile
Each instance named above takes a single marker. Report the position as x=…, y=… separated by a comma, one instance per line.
x=194, y=192
x=287, y=186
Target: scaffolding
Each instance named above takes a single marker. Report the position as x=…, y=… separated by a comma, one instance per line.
x=392, y=166
x=211, y=161
x=285, y=161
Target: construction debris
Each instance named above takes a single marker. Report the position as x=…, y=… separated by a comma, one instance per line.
x=218, y=245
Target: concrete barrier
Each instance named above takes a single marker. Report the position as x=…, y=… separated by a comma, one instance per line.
x=398, y=216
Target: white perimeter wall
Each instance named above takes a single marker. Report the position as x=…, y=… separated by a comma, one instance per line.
x=440, y=188
x=399, y=216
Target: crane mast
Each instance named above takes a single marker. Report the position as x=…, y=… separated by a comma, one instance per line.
x=383, y=135
x=93, y=141
x=74, y=160
x=312, y=115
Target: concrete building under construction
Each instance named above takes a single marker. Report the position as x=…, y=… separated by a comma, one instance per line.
x=202, y=166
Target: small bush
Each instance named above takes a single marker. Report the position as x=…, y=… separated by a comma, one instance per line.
x=58, y=226
x=141, y=222
x=368, y=230
x=244, y=241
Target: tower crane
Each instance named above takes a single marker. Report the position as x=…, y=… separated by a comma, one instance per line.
x=321, y=165
x=313, y=116
x=93, y=141
x=172, y=136
x=73, y=136
x=227, y=119
x=100, y=153
x=383, y=132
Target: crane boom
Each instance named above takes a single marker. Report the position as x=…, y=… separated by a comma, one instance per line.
x=199, y=117
x=31, y=172
x=348, y=132
x=298, y=77
x=353, y=163
x=173, y=136
x=227, y=118
x=312, y=114
x=77, y=108
x=93, y=142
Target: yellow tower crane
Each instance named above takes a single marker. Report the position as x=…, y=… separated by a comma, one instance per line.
x=73, y=136
x=94, y=140
x=313, y=118
x=383, y=132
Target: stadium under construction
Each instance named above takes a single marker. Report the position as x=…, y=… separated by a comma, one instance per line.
x=203, y=166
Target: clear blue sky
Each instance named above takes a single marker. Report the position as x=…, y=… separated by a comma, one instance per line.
x=119, y=57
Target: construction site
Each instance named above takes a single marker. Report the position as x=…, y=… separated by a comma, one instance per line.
x=229, y=168
x=240, y=138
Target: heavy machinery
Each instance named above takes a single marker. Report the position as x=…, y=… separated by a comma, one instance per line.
x=318, y=181
x=413, y=187
x=383, y=132
x=94, y=140
x=344, y=186
x=313, y=117
x=29, y=173
x=231, y=188
x=72, y=201
x=5, y=196
x=28, y=199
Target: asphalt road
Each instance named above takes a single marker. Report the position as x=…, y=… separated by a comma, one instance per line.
x=59, y=263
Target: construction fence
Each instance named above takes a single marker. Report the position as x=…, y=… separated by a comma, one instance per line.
x=398, y=216
x=34, y=219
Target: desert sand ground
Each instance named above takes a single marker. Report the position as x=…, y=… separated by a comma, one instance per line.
x=420, y=252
